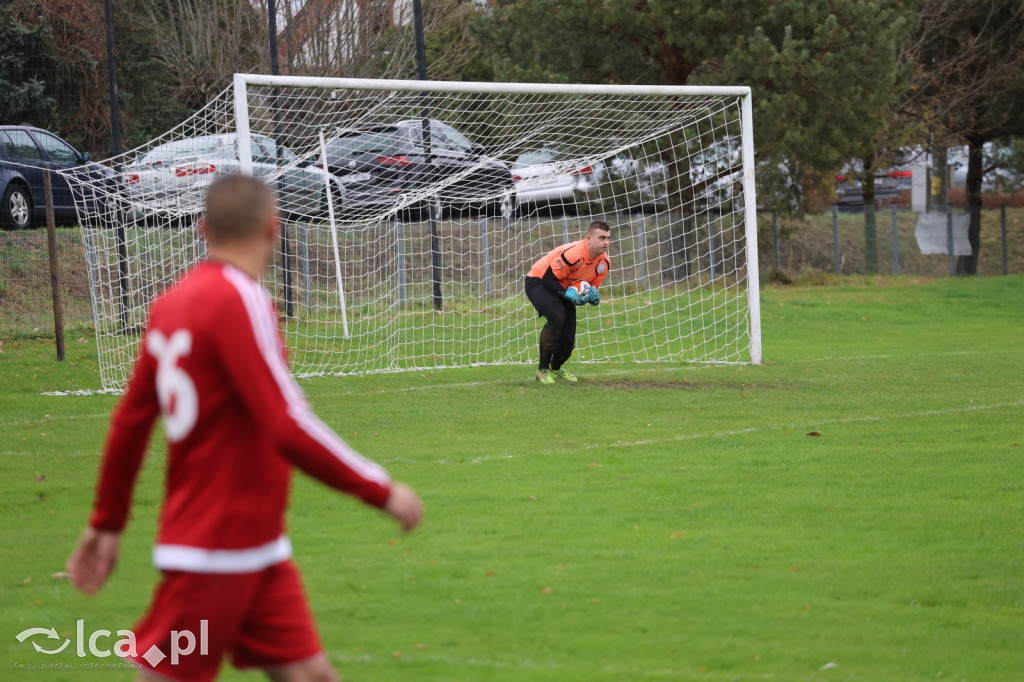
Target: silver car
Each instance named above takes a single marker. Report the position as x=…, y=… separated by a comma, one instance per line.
x=170, y=181
x=547, y=177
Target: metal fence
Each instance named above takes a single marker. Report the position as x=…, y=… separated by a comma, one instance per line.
x=833, y=242
x=817, y=245
x=26, y=303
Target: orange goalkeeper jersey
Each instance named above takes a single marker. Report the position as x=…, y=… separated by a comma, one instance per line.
x=571, y=263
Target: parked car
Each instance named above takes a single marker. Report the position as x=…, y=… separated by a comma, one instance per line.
x=170, y=180
x=386, y=167
x=710, y=177
x=889, y=184
x=548, y=177
x=26, y=153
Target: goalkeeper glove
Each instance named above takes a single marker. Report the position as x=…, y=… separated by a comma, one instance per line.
x=592, y=297
x=573, y=296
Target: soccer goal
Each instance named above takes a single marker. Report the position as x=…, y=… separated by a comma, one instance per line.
x=413, y=210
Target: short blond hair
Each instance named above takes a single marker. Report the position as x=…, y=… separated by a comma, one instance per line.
x=237, y=207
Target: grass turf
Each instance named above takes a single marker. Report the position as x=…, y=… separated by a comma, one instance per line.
x=651, y=522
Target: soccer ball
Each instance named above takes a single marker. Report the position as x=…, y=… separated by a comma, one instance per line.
x=581, y=287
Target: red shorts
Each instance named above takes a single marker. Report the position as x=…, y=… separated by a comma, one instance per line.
x=261, y=619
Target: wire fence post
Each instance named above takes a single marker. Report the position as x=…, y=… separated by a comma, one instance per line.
x=835, y=238
x=949, y=240
x=122, y=276
x=642, y=255
x=1002, y=227
x=304, y=237
x=400, y=254
x=90, y=268
x=435, y=254
x=286, y=270
x=712, y=248
x=51, y=247
x=895, y=242
x=486, y=257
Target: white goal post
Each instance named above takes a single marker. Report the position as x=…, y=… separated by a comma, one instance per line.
x=413, y=210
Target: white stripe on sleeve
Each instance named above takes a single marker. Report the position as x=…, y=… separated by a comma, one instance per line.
x=264, y=328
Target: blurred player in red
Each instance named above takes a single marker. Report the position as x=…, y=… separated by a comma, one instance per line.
x=548, y=286
x=212, y=363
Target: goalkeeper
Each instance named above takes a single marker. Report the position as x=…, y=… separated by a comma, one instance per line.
x=549, y=288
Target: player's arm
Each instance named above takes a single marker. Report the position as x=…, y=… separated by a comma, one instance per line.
x=250, y=351
x=551, y=282
x=95, y=555
x=560, y=272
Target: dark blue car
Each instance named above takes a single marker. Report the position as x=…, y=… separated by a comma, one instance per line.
x=25, y=154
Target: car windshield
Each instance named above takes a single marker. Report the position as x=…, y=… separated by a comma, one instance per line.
x=183, y=149
x=367, y=142
x=535, y=157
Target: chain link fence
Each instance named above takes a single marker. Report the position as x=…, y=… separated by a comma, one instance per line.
x=26, y=301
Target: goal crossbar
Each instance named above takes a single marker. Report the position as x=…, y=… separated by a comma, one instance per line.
x=243, y=79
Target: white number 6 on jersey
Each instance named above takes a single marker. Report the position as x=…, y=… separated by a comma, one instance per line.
x=179, y=401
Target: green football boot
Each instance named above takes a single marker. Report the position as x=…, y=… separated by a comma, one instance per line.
x=545, y=377
x=565, y=375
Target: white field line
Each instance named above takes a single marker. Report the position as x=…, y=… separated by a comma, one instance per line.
x=63, y=455
x=53, y=419
x=527, y=376
x=885, y=356
x=719, y=434
x=83, y=392
x=625, y=671
x=639, y=368
x=636, y=443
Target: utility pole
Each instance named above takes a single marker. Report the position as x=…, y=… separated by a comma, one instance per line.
x=278, y=139
x=115, y=114
x=421, y=73
x=115, y=147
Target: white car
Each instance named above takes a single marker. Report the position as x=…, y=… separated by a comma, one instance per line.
x=170, y=180
x=547, y=177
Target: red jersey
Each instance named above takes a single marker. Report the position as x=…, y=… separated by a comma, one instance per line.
x=571, y=263
x=212, y=362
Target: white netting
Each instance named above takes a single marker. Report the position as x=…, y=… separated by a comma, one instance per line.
x=411, y=251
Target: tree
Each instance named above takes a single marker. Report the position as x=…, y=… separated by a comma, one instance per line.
x=829, y=77
x=374, y=38
x=969, y=85
x=24, y=63
x=54, y=57
x=201, y=43
x=821, y=72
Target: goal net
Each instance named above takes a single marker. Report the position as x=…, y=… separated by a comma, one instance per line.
x=413, y=210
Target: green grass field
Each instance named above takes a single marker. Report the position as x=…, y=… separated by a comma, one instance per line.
x=851, y=510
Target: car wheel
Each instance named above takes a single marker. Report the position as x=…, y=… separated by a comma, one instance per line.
x=16, y=211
